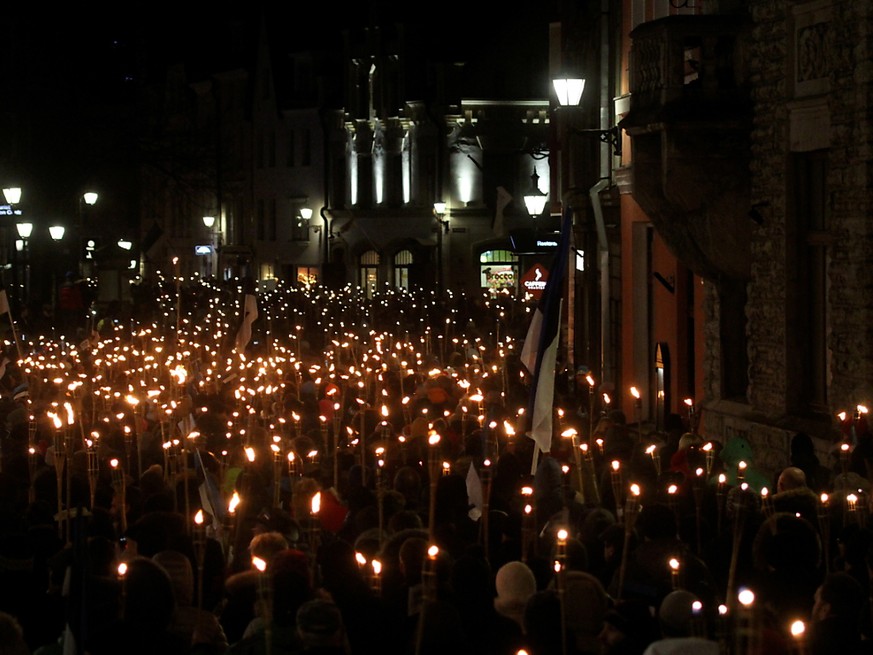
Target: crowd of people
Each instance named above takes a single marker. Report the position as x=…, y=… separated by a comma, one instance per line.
x=403, y=513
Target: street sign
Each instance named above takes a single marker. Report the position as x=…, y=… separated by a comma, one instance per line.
x=534, y=281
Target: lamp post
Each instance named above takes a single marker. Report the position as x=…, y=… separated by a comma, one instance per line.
x=439, y=211
x=305, y=221
x=88, y=198
x=13, y=197
x=57, y=235
x=25, y=229
x=585, y=169
x=209, y=222
x=568, y=92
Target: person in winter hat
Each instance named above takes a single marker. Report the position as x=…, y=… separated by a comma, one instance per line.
x=515, y=583
x=681, y=627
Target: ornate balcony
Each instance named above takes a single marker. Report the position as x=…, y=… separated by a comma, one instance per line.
x=689, y=121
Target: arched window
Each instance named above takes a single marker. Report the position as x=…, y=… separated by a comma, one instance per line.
x=498, y=269
x=402, y=262
x=368, y=272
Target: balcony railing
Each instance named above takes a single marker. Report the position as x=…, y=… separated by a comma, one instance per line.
x=687, y=68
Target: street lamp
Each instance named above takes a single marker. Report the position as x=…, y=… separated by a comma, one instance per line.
x=24, y=232
x=578, y=171
x=13, y=197
x=568, y=90
x=439, y=211
x=57, y=234
x=88, y=198
x=127, y=245
x=535, y=200
x=209, y=222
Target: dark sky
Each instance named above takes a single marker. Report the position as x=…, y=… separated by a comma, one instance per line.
x=74, y=44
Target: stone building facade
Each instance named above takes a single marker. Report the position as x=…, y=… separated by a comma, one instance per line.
x=808, y=296
x=750, y=127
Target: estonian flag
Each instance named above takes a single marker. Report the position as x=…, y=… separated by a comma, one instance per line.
x=540, y=351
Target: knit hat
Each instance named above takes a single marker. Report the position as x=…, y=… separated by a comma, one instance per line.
x=320, y=623
x=178, y=567
x=689, y=439
x=676, y=613
x=515, y=584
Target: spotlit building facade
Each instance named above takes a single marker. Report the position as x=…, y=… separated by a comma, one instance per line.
x=368, y=164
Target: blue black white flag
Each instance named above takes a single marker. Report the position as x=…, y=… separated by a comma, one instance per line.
x=540, y=351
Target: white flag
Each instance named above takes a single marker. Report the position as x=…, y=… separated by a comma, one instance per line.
x=475, y=496
x=250, y=313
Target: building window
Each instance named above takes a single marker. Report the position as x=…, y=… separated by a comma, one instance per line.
x=402, y=263
x=498, y=269
x=267, y=271
x=807, y=311
x=368, y=272
x=307, y=275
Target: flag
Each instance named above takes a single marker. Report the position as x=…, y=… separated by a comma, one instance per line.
x=540, y=350
x=475, y=496
x=4, y=302
x=210, y=495
x=250, y=313
x=503, y=200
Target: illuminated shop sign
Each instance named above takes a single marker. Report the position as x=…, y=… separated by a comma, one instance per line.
x=534, y=281
x=527, y=241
